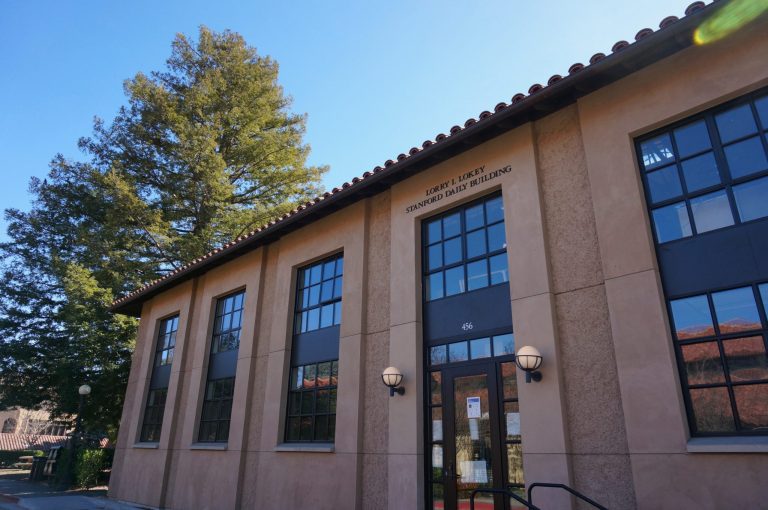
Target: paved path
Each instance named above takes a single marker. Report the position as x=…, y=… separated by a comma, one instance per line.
x=18, y=493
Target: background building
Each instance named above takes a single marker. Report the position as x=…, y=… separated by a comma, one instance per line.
x=615, y=219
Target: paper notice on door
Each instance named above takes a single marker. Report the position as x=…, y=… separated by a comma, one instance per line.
x=473, y=471
x=473, y=407
x=513, y=424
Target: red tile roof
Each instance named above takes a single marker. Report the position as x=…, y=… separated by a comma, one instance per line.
x=556, y=91
x=14, y=442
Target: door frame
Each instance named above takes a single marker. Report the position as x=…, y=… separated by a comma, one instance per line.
x=449, y=374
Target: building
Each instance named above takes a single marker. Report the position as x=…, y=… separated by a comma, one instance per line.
x=615, y=219
x=30, y=429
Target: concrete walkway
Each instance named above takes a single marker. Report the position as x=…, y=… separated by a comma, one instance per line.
x=17, y=493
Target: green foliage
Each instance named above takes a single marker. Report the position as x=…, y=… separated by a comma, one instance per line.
x=10, y=457
x=89, y=466
x=203, y=152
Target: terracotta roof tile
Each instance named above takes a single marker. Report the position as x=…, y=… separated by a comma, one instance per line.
x=619, y=46
x=16, y=442
x=669, y=20
x=597, y=57
x=643, y=33
x=554, y=79
x=535, y=88
x=695, y=6
x=517, y=98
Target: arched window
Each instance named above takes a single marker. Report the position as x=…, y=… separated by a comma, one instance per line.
x=9, y=425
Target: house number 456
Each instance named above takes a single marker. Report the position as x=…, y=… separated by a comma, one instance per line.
x=467, y=326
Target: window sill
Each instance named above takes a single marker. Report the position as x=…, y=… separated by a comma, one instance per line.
x=751, y=444
x=208, y=446
x=305, y=447
x=148, y=446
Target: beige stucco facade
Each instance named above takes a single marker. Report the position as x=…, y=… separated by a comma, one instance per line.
x=608, y=417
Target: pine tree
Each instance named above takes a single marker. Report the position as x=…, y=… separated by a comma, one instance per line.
x=203, y=152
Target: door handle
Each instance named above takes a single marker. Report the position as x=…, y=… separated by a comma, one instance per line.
x=449, y=473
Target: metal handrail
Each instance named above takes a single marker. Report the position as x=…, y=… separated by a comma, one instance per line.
x=563, y=486
x=500, y=491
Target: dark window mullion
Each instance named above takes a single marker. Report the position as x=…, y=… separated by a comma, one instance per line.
x=678, y=164
x=717, y=148
x=749, y=177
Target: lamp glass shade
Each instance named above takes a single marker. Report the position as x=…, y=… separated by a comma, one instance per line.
x=84, y=390
x=392, y=377
x=528, y=358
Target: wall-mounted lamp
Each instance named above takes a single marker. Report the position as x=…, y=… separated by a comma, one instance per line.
x=392, y=379
x=529, y=358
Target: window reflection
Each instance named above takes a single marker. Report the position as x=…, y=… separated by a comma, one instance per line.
x=657, y=152
x=735, y=123
x=692, y=138
x=750, y=404
x=752, y=199
x=712, y=410
x=702, y=363
x=746, y=157
x=700, y=172
x=664, y=184
x=736, y=310
x=711, y=211
x=672, y=222
x=746, y=358
x=692, y=317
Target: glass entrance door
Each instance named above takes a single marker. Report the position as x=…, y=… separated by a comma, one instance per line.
x=475, y=435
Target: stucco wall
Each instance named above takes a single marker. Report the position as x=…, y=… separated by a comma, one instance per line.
x=598, y=444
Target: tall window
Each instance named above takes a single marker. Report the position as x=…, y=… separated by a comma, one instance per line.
x=311, y=415
x=706, y=185
x=220, y=386
x=158, y=386
x=465, y=250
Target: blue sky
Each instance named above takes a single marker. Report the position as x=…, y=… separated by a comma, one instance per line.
x=375, y=78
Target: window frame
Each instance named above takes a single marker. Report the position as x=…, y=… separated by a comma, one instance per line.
x=213, y=376
x=331, y=387
x=464, y=261
x=718, y=338
x=335, y=300
x=150, y=411
x=320, y=333
x=717, y=148
x=727, y=183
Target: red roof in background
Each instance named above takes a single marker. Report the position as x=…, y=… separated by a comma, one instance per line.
x=14, y=442
x=648, y=47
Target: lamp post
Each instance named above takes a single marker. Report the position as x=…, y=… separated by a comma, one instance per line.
x=68, y=478
x=84, y=391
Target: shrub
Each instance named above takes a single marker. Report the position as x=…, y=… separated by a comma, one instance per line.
x=90, y=463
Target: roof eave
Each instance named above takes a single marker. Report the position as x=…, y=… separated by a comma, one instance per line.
x=623, y=62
